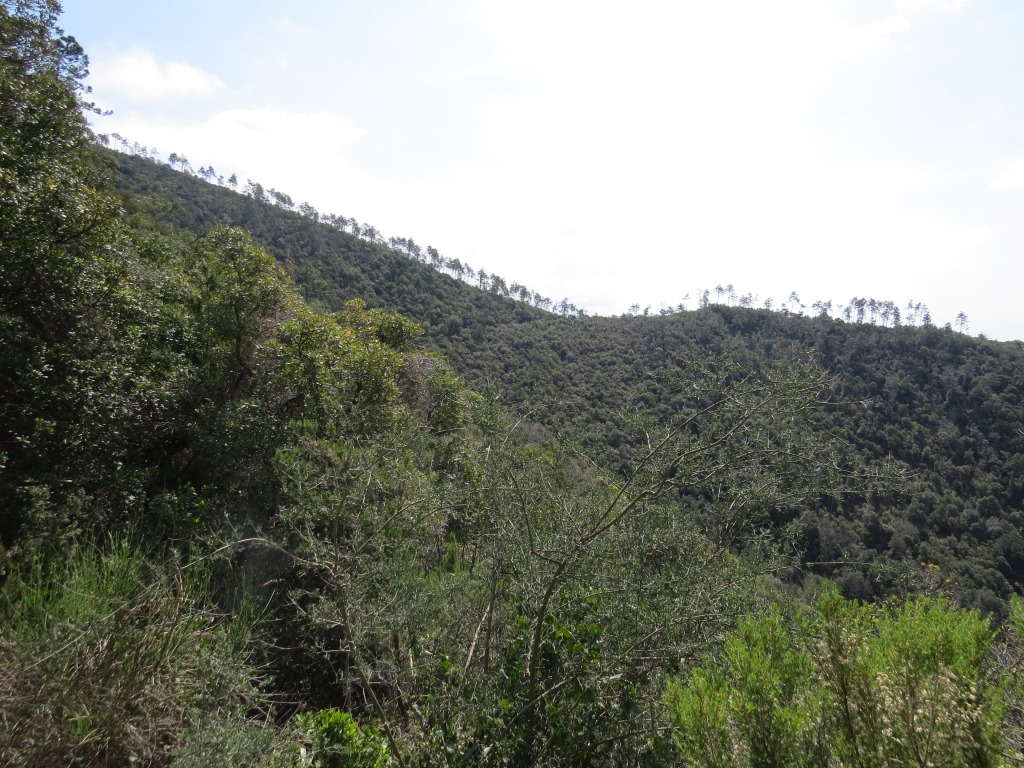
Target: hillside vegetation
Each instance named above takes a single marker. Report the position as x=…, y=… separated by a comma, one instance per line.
x=944, y=407
x=277, y=495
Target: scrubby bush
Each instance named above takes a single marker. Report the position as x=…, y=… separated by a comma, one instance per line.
x=848, y=684
x=108, y=657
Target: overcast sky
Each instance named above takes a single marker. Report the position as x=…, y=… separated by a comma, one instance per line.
x=614, y=153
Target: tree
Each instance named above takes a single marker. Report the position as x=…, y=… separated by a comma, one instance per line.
x=65, y=274
x=413, y=249
x=859, y=306
x=912, y=311
x=759, y=711
x=498, y=285
x=796, y=307
x=436, y=259
x=605, y=584
x=243, y=288
x=281, y=199
x=847, y=684
x=255, y=190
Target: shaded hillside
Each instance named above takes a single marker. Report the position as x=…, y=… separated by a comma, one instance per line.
x=329, y=266
x=945, y=407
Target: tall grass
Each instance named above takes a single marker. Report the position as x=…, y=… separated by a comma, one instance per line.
x=110, y=657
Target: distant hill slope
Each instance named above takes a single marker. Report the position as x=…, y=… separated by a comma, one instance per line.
x=947, y=407
x=329, y=266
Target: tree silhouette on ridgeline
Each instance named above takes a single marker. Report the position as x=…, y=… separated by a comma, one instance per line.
x=859, y=310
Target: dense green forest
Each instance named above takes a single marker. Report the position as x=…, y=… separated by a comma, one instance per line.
x=944, y=407
x=275, y=494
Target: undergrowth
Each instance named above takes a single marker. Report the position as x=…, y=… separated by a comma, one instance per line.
x=111, y=657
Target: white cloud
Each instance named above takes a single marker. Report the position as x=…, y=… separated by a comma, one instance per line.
x=138, y=75
x=874, y=35
x=1011, y=176
x=925, y=5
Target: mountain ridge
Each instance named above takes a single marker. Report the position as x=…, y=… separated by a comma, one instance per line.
x=943, y=405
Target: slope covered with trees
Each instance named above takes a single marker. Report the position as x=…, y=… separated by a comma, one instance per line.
x=943, y=406
x=329, y=264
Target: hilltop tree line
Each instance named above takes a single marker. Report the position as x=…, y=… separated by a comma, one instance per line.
x=404, y=245
x=859, y=310
x=885, y=313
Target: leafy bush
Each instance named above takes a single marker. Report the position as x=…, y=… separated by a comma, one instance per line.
x=847, y=685
x=340, y=742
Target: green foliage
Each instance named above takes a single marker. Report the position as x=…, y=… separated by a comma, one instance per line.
x=426, y=560
x=764, y=712
x=944, y=407
x=241, y=291
x=65, y=354
x=701, y=718
x=218, y=741
x=909, y=686
x=589, y=588
x=341, y=742
x=849, y=685
x=775, y=709
x=1009, y=663
x=392, y=330
x=109, y=656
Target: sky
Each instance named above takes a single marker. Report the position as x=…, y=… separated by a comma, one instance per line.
x=614, y=153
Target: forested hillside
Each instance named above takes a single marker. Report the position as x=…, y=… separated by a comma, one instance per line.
x=330, y=265
x=251, y=515
x=943, y=406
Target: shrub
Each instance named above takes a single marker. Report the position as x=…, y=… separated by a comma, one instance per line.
x=849, y=684
x=340, y=742
x=107, y=658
